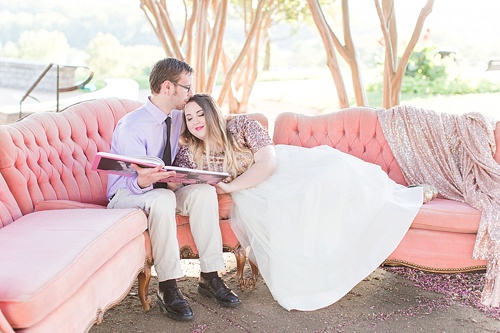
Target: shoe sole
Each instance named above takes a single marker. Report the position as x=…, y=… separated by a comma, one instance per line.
x=208, y=294
x=171, y=315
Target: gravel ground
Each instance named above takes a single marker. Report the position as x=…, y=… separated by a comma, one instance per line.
x=388, y=300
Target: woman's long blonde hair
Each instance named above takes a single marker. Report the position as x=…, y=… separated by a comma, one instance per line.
x=237, y=158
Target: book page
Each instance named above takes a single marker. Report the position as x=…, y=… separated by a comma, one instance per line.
x=121, y=165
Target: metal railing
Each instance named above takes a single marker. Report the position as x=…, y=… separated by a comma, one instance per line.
x=76, y=86
x=493, y=65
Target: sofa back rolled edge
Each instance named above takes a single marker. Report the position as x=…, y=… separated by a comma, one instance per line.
x=48, y=156
x=355, y=131
x=9, y=209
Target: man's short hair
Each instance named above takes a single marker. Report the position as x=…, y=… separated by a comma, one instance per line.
x=167, y=69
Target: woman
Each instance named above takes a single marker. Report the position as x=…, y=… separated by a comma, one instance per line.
x=317, y=221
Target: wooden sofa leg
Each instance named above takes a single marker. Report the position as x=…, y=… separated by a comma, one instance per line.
x=143, y=285
x=145, y=276
x=241, y=258
x=255, y=273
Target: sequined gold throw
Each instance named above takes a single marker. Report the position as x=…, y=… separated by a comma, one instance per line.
x=455, y=154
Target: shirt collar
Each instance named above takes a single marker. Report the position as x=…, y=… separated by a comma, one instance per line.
x=155, y=112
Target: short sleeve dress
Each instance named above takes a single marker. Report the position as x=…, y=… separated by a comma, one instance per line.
x=321, y=223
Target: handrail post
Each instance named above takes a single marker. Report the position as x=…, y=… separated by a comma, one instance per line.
x=58, y=83
x=30, y=89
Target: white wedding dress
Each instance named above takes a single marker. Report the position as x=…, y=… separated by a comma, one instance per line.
x=321, y=223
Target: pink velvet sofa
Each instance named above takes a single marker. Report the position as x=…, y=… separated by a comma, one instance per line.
x=442, y=236
x=65, y=258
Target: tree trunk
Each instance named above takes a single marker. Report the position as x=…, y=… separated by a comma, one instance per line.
x=394, y=71
x=267, y=53
x=253, y=35
x=201, y=45
x=328, y=37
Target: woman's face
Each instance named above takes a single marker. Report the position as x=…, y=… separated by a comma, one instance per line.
x=195, y=120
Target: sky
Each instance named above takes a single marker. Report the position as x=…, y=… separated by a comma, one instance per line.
x=458, y=21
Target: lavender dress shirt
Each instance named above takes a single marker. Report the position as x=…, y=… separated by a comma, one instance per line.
x=142, y=132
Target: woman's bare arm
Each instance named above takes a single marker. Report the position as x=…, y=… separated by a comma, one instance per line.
x=264, y=166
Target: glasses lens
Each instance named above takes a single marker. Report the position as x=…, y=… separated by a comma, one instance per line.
x=188, y=88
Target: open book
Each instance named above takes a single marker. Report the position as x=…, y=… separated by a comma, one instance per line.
x=121, y=165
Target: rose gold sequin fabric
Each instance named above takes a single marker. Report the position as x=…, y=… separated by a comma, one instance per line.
x=247, y=131
x=454, y=153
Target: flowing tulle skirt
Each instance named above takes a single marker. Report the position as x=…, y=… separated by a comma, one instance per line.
x=321, y=223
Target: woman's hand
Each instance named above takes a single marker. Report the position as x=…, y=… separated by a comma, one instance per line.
x=222, y=188
x=148, y=176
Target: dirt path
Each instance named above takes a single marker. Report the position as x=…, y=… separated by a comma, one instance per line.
x=383, y=302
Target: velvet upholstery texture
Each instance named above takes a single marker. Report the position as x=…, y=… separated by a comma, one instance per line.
x=66, y=258
x=9, y=210
x=355, y=131
x=48, y=156
x=53, y=255
x=60, y=251
x=49, y=162
x=442, y=236
x=91, y=295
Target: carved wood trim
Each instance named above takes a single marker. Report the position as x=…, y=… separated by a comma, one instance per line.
x=396, y=262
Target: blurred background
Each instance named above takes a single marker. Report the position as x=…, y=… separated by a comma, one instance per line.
x=115, y=40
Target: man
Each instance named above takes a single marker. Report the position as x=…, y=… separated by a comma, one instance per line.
x=144, y=132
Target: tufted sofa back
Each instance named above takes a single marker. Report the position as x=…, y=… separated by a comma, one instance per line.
x=9, y=210
x=48, y=156
x=355, y=131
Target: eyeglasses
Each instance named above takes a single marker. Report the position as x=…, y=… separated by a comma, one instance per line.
x=188, y=88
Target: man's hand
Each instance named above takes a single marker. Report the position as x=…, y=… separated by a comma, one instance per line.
x=149, y=176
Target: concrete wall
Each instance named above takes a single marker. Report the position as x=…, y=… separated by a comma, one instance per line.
x=21, y=74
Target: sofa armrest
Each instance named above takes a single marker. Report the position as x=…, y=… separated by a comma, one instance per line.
x=4, y=325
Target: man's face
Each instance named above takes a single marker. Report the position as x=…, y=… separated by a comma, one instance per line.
x=181, y=91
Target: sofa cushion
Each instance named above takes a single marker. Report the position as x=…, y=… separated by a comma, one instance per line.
x=56, y=251
x=436, y=251
x=447, y=215
x=103, y=290
x=225, y=204
x=64, y=204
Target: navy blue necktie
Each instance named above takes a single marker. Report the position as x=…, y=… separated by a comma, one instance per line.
x=167, y=153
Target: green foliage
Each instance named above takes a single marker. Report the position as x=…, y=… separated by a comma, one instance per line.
x=40, y=45
x=429, y=73
x=108, y=58
x=426, y=64
x=290, y=10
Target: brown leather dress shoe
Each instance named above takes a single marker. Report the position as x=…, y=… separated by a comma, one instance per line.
x=217, y=289
x=173, y=304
